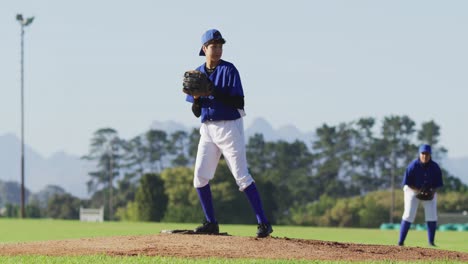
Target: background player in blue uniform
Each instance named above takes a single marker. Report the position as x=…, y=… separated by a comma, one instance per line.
x=420, y=172
x=222, y=133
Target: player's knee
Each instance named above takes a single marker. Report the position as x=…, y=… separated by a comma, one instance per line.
x=199, y=182
x=244, y=182
x=431, y=217
x=408, y=217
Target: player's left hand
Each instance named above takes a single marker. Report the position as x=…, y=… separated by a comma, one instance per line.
x=197, y=84
x=425, y=194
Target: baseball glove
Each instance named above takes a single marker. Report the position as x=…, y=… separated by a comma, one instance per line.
x=196, y=84
x=425, y=194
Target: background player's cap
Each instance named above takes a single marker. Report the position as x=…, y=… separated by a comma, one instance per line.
x=212, y=34
x=425, y=148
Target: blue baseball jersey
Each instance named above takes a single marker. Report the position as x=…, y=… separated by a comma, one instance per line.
x=226, y=79
x=418, y=174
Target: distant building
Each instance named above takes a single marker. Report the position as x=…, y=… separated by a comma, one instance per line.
x=92, y=214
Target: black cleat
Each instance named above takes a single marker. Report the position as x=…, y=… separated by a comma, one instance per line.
x=401, y=244
x=264, y=230
x=207, y=228
x=432, y=244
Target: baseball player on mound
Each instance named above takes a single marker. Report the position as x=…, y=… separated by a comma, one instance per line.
x=421, y=179
x=222, y=133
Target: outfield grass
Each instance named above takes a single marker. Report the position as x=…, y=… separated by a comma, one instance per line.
x=19, y=230
x=144, y=260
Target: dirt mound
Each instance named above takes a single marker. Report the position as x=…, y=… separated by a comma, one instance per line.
x=204, y=246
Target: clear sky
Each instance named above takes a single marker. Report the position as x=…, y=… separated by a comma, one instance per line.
x=91, y=64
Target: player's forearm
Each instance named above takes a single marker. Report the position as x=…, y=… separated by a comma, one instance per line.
x=196, y=107
x=416, y=189
x=235, y=101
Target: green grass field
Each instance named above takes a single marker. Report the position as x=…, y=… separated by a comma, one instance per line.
x=18, y=230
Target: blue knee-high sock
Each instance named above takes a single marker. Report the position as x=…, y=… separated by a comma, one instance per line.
x=431, y=230
x=256, y=203
x=404, y=228
x=206, y=201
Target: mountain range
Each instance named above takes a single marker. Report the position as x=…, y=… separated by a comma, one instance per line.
x=61, y=169
x=71, y=173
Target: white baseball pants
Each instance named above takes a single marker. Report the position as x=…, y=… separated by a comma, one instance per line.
x=226, y=138
x=412, y=203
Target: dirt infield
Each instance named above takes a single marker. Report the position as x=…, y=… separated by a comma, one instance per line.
x=204, y=246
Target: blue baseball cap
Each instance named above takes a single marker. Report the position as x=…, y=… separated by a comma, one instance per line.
x=425, y=148
x=212, y=34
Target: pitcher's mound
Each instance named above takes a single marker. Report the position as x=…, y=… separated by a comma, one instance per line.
x=190, y=232
x=208, y=246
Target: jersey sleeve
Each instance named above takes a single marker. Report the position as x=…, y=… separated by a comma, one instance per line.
x=189, y=99
x=438, y=182
x=234, y=83
x=406, y=177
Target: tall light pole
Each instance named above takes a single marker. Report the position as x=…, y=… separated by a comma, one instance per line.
x=24, y=23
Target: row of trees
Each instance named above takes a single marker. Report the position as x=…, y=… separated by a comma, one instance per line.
x=149, y=177
x=341, y=177
x=51, y=202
